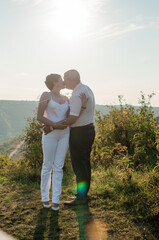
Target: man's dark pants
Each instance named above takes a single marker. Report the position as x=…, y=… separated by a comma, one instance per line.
x=81, y=141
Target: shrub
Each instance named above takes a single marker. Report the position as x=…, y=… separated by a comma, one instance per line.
x=4, y=163
x=32, y=139
x=127, y=131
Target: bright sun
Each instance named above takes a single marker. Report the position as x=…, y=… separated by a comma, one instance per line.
x=70, y=18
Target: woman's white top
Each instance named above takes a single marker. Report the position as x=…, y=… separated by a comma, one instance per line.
x=55, y=111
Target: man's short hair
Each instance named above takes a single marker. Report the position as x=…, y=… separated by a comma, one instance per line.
x=73, y=75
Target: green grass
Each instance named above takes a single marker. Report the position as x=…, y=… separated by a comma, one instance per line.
x=114, y=204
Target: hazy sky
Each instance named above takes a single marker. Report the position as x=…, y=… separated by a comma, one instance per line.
x=114, y=44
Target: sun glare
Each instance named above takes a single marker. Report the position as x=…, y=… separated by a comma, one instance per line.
x=69, y=18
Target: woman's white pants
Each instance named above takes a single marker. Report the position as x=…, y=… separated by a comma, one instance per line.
x=55, y=145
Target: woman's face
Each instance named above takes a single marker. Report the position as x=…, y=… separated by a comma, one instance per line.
x=60, y=84
x=67, y=82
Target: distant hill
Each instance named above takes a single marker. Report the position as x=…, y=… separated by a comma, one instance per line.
x=105, y=109
x=14, y=114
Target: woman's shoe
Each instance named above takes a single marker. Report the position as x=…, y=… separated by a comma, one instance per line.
x=46, y=205
x=55, y=206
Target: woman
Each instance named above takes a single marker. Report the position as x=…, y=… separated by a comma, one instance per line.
x=53, y=108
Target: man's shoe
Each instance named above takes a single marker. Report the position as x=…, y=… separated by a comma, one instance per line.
x=72, y=198
x=75, y=202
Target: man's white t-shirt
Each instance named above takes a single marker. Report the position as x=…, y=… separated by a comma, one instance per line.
x=87, y=115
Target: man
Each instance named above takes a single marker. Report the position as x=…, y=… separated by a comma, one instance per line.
x=82, y=133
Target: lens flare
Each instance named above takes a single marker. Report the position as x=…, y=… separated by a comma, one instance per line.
x=96, y=229
x=81, y=188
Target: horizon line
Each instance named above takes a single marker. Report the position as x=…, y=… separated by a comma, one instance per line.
x=101, y=104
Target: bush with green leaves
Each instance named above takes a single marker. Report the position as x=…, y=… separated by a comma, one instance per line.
x=4, y=163
x=127, y=132
x=33, y=148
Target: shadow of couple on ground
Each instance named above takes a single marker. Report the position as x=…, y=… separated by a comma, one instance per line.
x=47, y=224
x=47, y=218
x=84, y=216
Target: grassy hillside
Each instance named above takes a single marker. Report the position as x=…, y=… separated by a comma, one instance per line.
x=117, y=209
x=123, y=199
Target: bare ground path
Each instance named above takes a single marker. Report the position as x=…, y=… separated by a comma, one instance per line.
x=16, y=149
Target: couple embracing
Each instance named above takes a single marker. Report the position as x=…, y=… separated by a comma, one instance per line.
x=66, y=122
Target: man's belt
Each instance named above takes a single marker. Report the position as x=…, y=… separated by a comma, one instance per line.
x=84, y=126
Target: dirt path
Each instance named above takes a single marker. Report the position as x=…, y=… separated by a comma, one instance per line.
x=5, y=236
x=16, y=149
